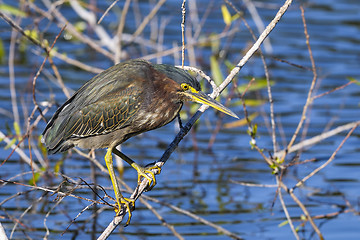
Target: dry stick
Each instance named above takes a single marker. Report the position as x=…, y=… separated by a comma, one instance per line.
x=183, y=12
x=254, y=184
x=50, y=190
x=77, y=63
x=58, y=201
x=23, y=214
x=29, y=131
x=59, y=78
x=318, y=138
x=258, y=23
x=16, y=147
x=2, y=233
x=143, y=185
x=273, y=126
x=196, y=217
x=268, y=160
x=107, y=10
x=38, y=43
x=333, y=90
x=302, y=181
x=20, y=30
x=309, y=97
x=62, y=56
x=120, y=30
x=90, y=18
x=106, y=233
x=303, y=208
x=15, y=220
x=170, y=227
x=189, y=34
x=176, y=49
x=271, y=101
x=161, y=35
x=19, y=151
x=12, y=76
x=283, y=205
x=146, y=20
x=78, y=215
x=75, y=32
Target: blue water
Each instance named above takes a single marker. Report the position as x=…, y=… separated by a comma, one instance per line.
x=195, y=178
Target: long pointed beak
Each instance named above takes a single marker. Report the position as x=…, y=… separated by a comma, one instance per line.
x=201, y=97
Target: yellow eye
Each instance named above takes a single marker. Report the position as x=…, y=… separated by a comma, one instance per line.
x=185, y=86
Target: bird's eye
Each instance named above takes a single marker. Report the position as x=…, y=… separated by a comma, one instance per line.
x=185, y=86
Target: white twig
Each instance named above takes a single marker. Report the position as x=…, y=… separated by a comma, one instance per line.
x=19, y=151
x=2, y=233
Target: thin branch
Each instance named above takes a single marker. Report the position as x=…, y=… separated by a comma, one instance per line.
x=183, y=13
x=303, y=208
x=220, y=229
x=147, y=19
x=318, y=138
x=107, y=11
x=2, y=233
x=120, y=30
x=302, y=181
x=72, y=29
x=254, y=184
x=162, y=220
x=309, y=97
x=286, y=211
x=143, y=185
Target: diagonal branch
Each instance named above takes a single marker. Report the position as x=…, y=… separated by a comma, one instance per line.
x=216, y=92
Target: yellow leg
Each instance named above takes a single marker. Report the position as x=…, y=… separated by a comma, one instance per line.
x=142, y=172
x=119, y=197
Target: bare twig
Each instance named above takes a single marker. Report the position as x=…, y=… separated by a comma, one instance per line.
x=19, y=151
x=254, y=184
x=303, y=208
x=2, y=233
x=301, y=182
x=72, y=29
x=333, y=90
x=283, y=205
x=259, y=23
x=183, y=13
x=107, y=10
x=318, y=138
x=120, y=30
x=309, y=97
x=146, y=20
x=169, y=226
x=143, y=185
x=196, y=217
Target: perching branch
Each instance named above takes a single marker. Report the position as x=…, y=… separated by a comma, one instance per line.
x=183, y=132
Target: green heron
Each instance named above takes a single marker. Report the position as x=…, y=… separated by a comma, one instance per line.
x=123, y=101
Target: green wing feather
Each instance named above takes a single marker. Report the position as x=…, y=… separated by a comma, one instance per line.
x=103, y=104
x=105, y=115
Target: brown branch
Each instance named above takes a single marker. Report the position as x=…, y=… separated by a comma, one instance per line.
x=301, y=182
x=173, y=145
x=309, y=97
x=283, y=205
x=183, y=12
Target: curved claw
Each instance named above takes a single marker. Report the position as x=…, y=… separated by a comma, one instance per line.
x=126, y=202
x=143, y=172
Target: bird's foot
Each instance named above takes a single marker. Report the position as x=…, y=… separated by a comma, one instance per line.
x=126, y=202
x=143, y=172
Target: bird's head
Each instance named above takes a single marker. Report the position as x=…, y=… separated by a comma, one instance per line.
x=190, y=89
